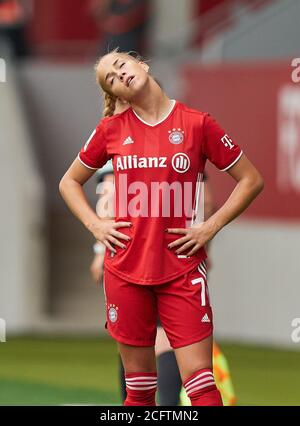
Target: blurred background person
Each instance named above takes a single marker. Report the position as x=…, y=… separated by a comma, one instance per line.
x=14, y=15
x=123, y=23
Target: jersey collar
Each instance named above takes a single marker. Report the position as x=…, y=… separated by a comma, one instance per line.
x=160, y=121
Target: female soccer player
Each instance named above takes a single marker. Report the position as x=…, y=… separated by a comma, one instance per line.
x=156, y=264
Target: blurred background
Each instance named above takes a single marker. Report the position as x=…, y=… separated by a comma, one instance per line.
x=236, y=59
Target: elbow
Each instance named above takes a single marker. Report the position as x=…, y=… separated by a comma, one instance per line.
x=62, y=186
x=66, y=185
x=258, y=184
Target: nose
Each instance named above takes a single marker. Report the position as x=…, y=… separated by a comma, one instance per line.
x=122, y=76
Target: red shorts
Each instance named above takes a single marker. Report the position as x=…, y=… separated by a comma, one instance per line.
x=182, y=305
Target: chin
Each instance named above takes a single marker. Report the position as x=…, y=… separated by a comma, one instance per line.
x=139, y=86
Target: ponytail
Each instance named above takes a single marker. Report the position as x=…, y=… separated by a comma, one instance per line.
x=109, y=105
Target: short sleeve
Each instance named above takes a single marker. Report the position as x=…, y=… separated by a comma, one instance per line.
x=218, y=147
x=94, y=154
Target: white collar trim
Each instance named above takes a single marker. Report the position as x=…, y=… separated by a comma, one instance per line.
x=160, y=121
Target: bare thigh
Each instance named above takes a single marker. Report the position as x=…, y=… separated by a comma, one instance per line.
x=162, y=343
x=137, y=359
x=194, y=357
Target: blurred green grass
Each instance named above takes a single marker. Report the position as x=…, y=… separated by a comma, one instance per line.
x=48, y=371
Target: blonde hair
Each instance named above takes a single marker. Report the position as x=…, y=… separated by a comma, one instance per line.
x=109, y=102
x=109, y=105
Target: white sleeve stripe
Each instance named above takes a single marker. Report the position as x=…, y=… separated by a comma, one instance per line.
x=92, y=168
x=89, y=139
x=233, y=163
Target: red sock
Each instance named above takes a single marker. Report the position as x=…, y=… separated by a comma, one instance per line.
x=140, y=388
x=202, y=390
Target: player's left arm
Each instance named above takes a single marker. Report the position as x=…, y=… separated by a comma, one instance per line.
x=249, y=185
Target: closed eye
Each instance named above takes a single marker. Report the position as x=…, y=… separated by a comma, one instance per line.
x=111, y=81
x=122, y=64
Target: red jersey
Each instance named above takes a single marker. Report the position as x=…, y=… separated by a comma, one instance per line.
x=157, y=173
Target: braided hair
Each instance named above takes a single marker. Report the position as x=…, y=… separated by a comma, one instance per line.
x=109, y=105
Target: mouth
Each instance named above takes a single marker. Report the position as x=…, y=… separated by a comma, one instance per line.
x=129, y=80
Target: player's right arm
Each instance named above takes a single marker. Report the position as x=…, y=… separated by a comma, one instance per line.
x=71, y=189
x=91, y=157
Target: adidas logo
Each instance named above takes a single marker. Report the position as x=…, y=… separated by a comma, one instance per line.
x=205, y=318
x=128, y=141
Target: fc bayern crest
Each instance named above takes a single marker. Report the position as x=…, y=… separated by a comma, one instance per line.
x=113, y=313
x=176, y=136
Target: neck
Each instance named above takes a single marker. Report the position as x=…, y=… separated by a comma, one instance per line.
x=153, y=104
